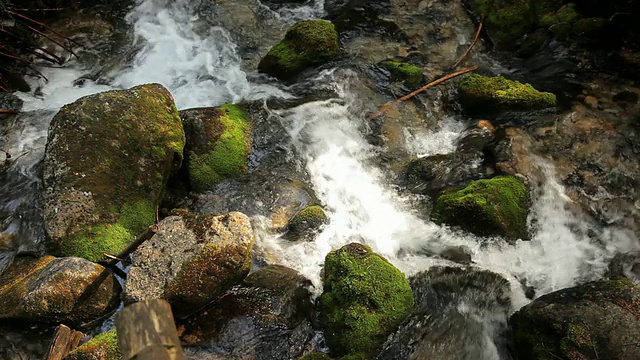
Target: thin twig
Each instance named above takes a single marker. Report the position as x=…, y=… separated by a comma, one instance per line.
x=9, y=111
x=47, y=28
x=50, y=38
x=386, y=107
x=148, y=234
x=466, y=53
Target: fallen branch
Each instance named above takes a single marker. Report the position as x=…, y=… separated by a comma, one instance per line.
x=466, y=53
x=386, y=107
x=9, y=111
x=148, y=234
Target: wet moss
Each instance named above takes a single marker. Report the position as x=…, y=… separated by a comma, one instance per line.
x=306, y=44
x=489, y=93
x=225, y=156
x=306, y=221
x=410, y=75
x=316, y=356
x=101, y=347
x=359, y=356
x=364, y=299
x=496, y=206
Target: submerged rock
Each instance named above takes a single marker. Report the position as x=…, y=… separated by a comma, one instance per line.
x=191, y=260
x=101, y=347
x=495, y=206
x=57, y=290
x=306, y=222
x=495, y=93
x=364, y=299
x=585, y=322
x=306, y=44
x=218, y=144
x=268, y=317
x=107, y=161
x=460, y=312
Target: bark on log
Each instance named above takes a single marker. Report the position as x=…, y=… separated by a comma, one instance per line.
x=147, y=331
x=64, y=340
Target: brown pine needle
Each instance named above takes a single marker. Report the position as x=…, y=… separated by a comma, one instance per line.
x=386, y=107
x=466, y=53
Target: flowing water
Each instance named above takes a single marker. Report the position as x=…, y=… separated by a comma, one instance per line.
x=200, y=65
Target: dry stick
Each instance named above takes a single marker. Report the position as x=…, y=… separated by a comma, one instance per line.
x=466, y=53
x=148, y=234
x=50, y=39
x=384, y=108
x=3, y=111
x=46, y=27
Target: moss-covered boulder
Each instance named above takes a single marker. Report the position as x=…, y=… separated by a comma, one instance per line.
x=480, y=93
x=315, y=356
x=364, y=299
x=410, y=75
x=218, y=144
x=107, y=161
x=306, y=44
x=57, y=290
x=101, y=347
x=191, y=260
x=586, y=322
x=490, y=207
x=306, y=222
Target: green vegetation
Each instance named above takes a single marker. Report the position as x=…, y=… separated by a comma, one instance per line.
x=496, y=206
x=364, y=299
x=410, y=75
x=306, y=221
x=479, y=92
x=315, y=356
x=306, y=44
x=101, y=347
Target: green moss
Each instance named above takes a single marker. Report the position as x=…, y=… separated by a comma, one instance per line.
x=315, y=356
x=226, y=156
x=496, y=206
x=411, y=75
x=364, y=299
x=479, y=92
x=101, y=347
x=590, y=26
x=566, y=14
x=307, y=220
x=577, y=340
x=306, y=44
x=358, y=356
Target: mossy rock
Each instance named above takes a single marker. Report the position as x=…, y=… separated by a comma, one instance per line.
x=364, y=299
x=306, y=44
x=480, y=93
x=101, y=347
x=316, y=356
x=410, y=75
x=496, y=206
x=306, y=222
x=218, y=144
x=581, y=323
x=57, y=290
x=107, y=161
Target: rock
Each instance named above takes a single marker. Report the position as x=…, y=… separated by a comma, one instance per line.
x=191, y=260
x=218, y=144
x=268, y=317
x=306, y=44
x=584, y=322
x=103, y=191
x=306, y=223
x=459, y=312
x=410, y=75
x=480, y=93
x=316, y=356
x=57, y=290
x=497, y=206
x=101, y=347
x=364, y=299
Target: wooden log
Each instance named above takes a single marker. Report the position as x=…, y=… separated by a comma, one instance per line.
x=147, y=331
x=63, y=342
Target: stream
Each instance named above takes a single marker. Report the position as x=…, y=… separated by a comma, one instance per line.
x=169, y=42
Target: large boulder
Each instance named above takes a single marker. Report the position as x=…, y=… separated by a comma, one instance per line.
x=191, y=260
x=218, y=144
x=101, y=347
x=306, y=44
x=592, y=321
x=268, y=317
x=458, y=313
x=107, y=161
x=365, y=297
x=496, y=206
x=57, y=290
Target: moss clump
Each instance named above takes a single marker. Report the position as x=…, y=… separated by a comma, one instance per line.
x=306, y=222
x=224, y=154
x=315, y=356
x=490, y=93
x=410, y=75
x=306, y=44
x=101, y=347
x=496, y=206
x=359, y=356
x=364, y=299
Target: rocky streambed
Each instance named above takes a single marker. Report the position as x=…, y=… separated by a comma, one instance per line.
x=492, y=217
